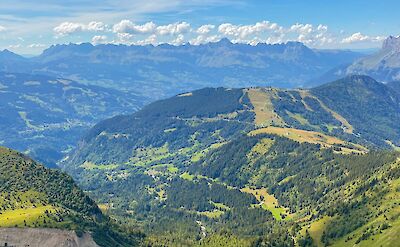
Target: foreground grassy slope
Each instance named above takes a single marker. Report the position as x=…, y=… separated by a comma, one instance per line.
x=34, y=196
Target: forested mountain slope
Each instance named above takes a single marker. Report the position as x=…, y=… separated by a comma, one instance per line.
x=254, y=166
x=32, y=196
x=44, y=116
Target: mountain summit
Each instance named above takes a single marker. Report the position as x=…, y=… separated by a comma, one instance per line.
x=392, y=43
x=383, y=65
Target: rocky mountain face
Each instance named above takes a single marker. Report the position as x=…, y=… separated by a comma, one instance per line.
x=383, y=65
x=166, y=70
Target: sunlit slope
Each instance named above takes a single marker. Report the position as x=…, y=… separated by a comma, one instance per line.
x=203, y=159
x=32, y=196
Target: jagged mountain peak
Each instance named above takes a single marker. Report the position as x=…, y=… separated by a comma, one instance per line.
x=392, y=43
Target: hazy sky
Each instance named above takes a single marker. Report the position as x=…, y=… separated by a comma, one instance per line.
x=29, y=26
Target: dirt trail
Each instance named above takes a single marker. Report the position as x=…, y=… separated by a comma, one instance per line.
x=35, y=237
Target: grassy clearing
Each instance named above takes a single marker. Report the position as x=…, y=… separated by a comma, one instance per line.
x=220, y=206
x=24, y=117
x=104, y=207
x=268, y=202
x=169, y=130
x=25, y=216
x=311, y=137
x=316, y=229
x=148, y=155
x=216, y=213
x=396, y=148
x=200, y=154
x=347, y=127
x=263, y=107
x=87, y=165
x=170, y=168
x=299, y=118
x=187, y=176
x=260, y=149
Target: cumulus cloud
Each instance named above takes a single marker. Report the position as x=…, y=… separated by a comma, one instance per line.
x=150, y=40
x=174, y=28
x=202, y=39
x=359, y=37
x=67, y=28
x=99, y=39
x=124, y=38
x=129, y=32
x=205, y=29
x=179, y=40
x=310, y=34
x=126, y=26
x=244, y=31
x=36, y=45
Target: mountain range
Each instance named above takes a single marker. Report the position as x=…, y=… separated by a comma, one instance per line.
x=68, y=88
x=267, y=165
x=166, y=70
x=228, y=161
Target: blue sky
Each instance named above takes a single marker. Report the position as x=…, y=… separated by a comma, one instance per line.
x=29, y=26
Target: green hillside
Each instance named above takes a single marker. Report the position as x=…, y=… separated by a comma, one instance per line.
x=256, y=166
x=34, y=196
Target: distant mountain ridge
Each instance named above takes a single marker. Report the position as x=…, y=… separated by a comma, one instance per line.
x=165, y=70
x=383, y=65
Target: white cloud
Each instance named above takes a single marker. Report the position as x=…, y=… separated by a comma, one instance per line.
x=174, y=28
x=124, y=38
x=244, y=31
x=309, y=34
x=202, y=39
x=2, y=29
x=99, y=39
x=359, y=37
x=67, y=28
x=126, y=26
x=179, y=40
x=36, y=45
x=205, y=29
x=129, y=32
x=151, y=40
x=301, y=28
x=16, y=46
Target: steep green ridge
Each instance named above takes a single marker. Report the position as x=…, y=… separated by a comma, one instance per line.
x=372, y=107
x=249, y=166
x=34, y=196
x=359, y=193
